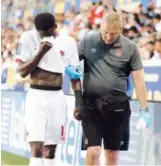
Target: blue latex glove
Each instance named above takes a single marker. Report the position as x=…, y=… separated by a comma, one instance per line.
x=73, y=72
x=145, y=120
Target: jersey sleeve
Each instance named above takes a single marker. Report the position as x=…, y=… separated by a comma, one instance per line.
x=23, y=51
x=72, y=53
x=135, y=60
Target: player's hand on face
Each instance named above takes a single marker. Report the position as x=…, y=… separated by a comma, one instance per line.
x=45, y=46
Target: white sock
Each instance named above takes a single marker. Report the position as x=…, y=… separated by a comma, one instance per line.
x=36, y=161
x=49, y=162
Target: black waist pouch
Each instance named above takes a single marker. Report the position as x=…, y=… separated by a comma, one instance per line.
x=112, y=101
x=104, y=103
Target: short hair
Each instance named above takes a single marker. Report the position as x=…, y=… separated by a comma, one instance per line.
x=44, y=21
x=113, y=18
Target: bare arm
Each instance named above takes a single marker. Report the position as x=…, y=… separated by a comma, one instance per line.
x=79, y=111
x=79, y=102
x=76, y=85
x=138, y=77
x=27, y=67
x=77, y=88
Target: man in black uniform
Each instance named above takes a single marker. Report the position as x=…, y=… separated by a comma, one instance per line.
x=109, y=58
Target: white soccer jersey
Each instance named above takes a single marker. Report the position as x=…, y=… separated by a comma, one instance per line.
x=51, y=61
x=29, y=41
x=63, y=53
x=68, y=50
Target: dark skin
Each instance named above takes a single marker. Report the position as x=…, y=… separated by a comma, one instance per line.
x=41, y=77
x=76, y=86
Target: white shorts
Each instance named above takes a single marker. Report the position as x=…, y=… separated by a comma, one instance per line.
x=45, y=116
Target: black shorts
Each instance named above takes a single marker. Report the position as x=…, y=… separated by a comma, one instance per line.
x=110, y=124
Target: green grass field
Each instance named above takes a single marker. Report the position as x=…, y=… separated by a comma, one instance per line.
x=11, y=159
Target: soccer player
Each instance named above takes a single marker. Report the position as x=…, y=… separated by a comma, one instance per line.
x=45, y=57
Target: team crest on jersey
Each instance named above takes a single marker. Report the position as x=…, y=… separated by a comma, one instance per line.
x=62, y=52
x=118, y=52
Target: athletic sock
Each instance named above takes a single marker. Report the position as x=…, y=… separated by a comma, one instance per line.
x=49, y=162
x=36, y=161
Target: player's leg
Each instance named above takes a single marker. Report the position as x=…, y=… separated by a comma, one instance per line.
x=49, y=155
x=92, y=141
x=126, y=136
x=112, y=156
x=112, y=144
x=93, y=155
x=117, y=137
x=35, y=121
x=92, y=131
x=36, y=157
x=121, y=142
x=55, y=129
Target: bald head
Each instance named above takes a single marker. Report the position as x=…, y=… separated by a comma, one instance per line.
x=111, y=27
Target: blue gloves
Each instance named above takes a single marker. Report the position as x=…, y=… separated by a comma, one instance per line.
x=145, y=120
x=73, y=72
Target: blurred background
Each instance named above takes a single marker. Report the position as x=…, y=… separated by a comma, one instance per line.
x=142, y=24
